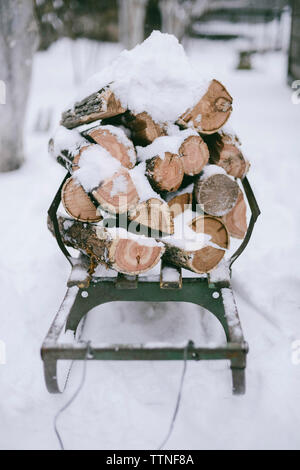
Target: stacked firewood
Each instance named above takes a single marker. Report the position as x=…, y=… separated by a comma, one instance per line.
x=140, y=190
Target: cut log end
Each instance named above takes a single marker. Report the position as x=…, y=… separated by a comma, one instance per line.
x=107, y=139
x=216, y=194
x=202, y=260
x=233, y=161
x=211, y=112
x=77, y=203
x=236, y=219
x=165, y=174
x=117, y=194
x=180, y=203
x=153, y=214
x=129, y=257
x=144, y=129
x=207, y=258
x=194, y=154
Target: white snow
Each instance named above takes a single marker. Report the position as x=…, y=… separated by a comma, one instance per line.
x=185, y=237
x=221, y=272
x=164, y=144
x=210, y=170
x=128, y=405
x=170, y=274
x=119, y=185
x=156, y=76
x=67, y=139
x=95, y=165
x=142, y=184
x=122, y=233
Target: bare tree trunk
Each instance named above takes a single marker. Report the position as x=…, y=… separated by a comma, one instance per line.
x=18, y=40
x=175, y=17
x=131, y=22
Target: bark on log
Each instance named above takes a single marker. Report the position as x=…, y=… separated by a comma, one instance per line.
x=77, y=203
x=153, y=214
x=211, y=112
x=165, y=175
x=225, y=151
x=194, y=155
x=107, y=136
x=144, y=129
x=236, y=219
x=178, y=204
x=122, y=254
x=117, y=194
x=204, y=259
x=99, y=105
x=217, y=194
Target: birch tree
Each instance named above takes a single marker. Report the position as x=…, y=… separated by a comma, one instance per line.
x=18, y=41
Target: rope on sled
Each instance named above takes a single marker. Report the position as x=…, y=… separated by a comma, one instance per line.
x=78, y=390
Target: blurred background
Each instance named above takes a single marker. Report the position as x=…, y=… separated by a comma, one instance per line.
x=48, y=48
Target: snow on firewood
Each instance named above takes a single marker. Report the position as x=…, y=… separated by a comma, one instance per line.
x=115, y=141
x=164, y=144
x=143, y=187
x=210, y=170
x=122, y=233
x=95, y=165
x=185, y=237
x=155, y=77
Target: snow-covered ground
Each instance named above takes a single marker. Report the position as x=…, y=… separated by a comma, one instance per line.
x=129, y=405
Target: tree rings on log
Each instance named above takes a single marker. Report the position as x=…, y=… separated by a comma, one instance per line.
x=194, y=155
x=120, y=148
x=165, y=174
x=216, y=194
x=117, y=194
x=153, y=214
x=236, y=219
x=178, y=204
x=77, y=203
x=129, y=257
x=144, y=129
x=203, y=259
x=211, y=112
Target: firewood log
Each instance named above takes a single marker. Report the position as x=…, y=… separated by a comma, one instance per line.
x=225, y=151
x=211, y=112
x=115, y=141
x=194, y=155
x=180, y=203
x=77, y=203
x=120, y=251
x=65, y=145
x=165, y=174
x=144, y=129
x=236, y=220
x=153, y=214
x=216, y=193
x=199, y=260
x=99, y=105
x=117, y=194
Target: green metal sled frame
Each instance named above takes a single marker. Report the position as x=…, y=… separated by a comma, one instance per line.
x=215, y=296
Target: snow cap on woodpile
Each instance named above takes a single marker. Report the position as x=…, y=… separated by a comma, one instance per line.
x=156, y=76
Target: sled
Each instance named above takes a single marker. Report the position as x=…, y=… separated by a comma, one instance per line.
x=209, y=291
